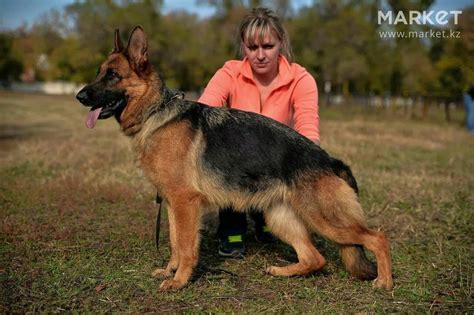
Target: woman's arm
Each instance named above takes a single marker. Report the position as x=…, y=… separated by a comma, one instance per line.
x=305, y=108
x=218, y=89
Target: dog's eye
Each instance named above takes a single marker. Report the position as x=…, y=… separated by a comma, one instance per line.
x=112, y=74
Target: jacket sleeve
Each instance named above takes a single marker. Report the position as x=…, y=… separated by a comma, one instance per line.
x=218, y=89
x=305, y=107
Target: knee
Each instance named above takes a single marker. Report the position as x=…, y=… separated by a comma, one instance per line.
x=319, y=262
x=314, y=263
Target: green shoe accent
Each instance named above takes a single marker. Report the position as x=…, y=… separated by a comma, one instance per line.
x=232, y=246
x=264, y=235
x=235, y=238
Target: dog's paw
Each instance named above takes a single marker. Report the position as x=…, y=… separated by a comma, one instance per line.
x=161, y=273
x=273, y=270
x=170, y=284
x=383, y=283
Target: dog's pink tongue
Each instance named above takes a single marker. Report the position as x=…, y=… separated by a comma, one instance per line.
x=92, y=118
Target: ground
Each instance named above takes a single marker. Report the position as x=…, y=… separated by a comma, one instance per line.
x=78, y=218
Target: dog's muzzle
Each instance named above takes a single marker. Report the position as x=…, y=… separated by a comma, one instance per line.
x=82, y=96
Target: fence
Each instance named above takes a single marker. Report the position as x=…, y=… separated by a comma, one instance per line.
x=411, y=106
x=55, y=87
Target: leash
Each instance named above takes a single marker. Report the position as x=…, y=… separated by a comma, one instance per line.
x=175, y=96
x=159, y=201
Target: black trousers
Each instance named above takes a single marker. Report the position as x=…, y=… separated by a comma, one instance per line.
x=235, y=223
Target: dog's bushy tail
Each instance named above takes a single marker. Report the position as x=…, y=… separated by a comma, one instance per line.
x=353, y=256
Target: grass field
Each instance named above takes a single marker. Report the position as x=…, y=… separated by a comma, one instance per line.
x=77, y=220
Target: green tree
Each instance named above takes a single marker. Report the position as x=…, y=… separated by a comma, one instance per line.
x=452, y=57
x=94, y=23
x=413, y=72
x=10, y=66
x=337, y=41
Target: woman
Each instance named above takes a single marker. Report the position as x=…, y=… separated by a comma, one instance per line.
x=265, y=81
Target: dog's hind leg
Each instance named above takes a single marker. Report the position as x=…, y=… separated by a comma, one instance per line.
x=174, y=261
x=284, y=223
x=331, y=208
x=186, y=214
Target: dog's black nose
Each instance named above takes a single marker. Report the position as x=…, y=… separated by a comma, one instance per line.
x=82, y=96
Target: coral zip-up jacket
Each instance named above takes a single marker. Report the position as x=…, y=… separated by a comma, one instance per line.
x=293, y=101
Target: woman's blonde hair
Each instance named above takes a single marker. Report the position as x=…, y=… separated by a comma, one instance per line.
x=260, y=22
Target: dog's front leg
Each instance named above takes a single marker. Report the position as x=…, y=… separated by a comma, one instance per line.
x=174, y=259
x=186, y=216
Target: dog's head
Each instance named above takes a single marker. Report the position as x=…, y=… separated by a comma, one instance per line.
x=124, y=75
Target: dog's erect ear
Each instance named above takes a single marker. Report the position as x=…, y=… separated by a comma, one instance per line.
x=137, y=49
x=118, y=42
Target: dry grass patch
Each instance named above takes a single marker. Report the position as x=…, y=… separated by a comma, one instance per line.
x=77, y=220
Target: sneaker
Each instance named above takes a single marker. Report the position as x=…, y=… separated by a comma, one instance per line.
x=231, y=246
x=264, y=235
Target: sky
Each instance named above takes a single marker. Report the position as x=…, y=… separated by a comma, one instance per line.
x=14, y=13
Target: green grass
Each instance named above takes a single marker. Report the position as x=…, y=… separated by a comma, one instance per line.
x=77, y=220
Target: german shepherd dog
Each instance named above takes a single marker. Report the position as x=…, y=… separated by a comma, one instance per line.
x=200, y=157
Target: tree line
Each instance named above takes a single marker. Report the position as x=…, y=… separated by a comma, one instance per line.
x=340, y=42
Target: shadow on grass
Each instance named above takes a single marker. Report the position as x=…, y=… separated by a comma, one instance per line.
x=258, y=254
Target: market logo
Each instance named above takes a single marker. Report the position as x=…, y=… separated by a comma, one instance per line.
x=418, y=17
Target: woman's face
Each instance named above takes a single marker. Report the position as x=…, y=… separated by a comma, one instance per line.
x=263, y=55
